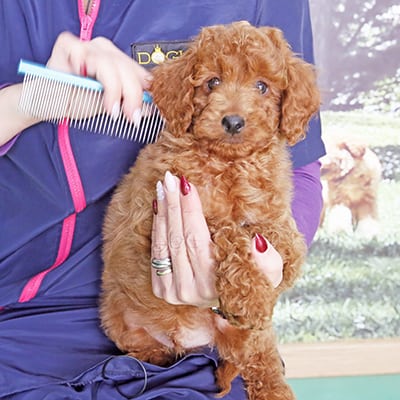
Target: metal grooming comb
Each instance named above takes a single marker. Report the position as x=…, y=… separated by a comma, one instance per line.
x=52, y=95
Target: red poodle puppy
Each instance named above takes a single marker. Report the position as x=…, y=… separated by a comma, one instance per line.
x=232, y=103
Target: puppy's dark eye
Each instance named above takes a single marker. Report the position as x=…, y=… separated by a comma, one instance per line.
x=262, y=87
x=214, y=82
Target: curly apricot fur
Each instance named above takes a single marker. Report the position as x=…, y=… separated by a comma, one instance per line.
x=244, y=181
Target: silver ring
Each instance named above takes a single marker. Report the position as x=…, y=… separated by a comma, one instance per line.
x=163, y=271
x=161, y=263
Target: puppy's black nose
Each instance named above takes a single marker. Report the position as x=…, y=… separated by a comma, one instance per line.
x=233, y=124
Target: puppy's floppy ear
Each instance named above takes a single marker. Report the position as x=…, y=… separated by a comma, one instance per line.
x=173, y=92
x=300, y=97
x=357, y=150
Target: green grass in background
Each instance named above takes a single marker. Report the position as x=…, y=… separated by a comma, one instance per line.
x=374, y=129
x=339, y=298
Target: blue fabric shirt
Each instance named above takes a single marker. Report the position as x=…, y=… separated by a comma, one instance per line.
x=52, y=345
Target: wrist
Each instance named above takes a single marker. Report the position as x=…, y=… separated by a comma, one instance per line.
x=13, y=120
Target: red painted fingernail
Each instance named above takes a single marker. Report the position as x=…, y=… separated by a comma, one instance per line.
x=185, y=186
x=261, y=243
x=155, y=207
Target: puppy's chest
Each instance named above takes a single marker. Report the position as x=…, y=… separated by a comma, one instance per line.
x=239, y=196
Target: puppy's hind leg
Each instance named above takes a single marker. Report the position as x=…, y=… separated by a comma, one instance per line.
x=139, y=344
x=264, y=378
x=124, y=327
x=254, y=355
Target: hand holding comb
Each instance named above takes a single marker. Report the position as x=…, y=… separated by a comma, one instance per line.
x=55, y=96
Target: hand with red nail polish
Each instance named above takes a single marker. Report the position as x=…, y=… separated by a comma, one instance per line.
x=180, y=232
x=178, y=214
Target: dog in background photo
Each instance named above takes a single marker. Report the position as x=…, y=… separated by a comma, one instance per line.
x=351, y=174
x=232, y=102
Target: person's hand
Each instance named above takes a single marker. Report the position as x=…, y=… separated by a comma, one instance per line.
x=122, y=78
x=180, y=232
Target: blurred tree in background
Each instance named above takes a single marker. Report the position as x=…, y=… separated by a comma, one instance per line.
x=357, y=52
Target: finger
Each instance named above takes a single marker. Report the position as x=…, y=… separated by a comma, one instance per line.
x=162, y=285
x=198, y=241
x=97, y=58
x=129, y=79
x=183, y=274
x=103, y=60
x=268, y=259
x=136, y=79
x=112, y=91
x=66, y=45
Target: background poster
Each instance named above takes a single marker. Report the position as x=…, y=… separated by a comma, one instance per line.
x=350, y=287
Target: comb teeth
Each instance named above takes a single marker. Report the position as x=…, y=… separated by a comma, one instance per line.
x=53, y=96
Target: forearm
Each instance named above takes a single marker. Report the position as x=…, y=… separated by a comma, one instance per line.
x=12, y=121
x=307, y=199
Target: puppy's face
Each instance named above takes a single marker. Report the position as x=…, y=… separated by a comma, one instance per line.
x=237, y=96
x=337, y=164
x=237, y=89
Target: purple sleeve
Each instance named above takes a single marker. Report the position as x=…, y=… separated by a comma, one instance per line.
x=307, y=199
x=7, y=146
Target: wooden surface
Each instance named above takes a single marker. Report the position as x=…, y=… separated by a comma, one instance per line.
x=342, y=358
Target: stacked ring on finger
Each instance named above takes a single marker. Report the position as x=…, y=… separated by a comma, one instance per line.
x=163, y=266
x=165, y=271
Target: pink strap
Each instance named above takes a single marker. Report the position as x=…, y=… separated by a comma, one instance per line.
x=31, y=288
x=71, y=169
x=67, y=234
